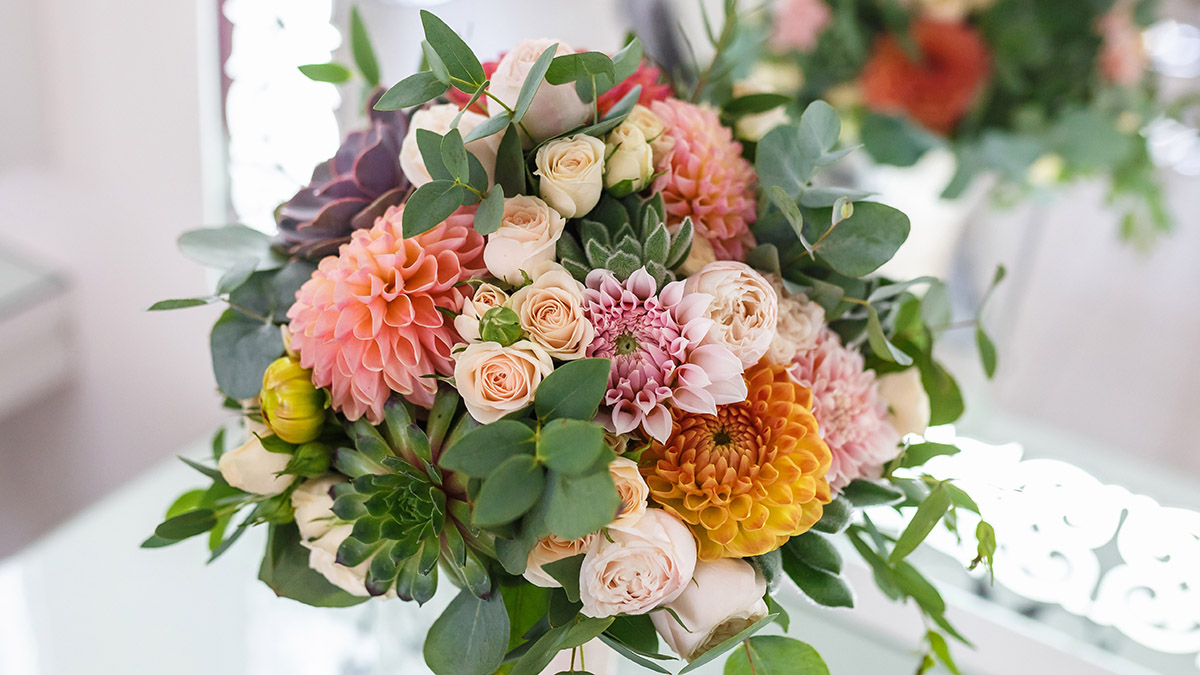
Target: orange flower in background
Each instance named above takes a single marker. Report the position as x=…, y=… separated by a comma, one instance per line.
x=939, y=90
x=749, y=477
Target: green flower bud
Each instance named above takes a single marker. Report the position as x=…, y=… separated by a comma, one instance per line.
x=500, y=324
x=292, y=406
x=310, y=460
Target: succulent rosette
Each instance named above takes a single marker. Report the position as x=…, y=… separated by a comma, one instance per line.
x=580, y=361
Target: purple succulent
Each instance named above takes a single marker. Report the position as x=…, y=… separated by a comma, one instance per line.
x=347, y=192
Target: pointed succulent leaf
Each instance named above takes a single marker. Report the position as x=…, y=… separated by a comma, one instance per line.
x=622, y=264
x=568, y=248
x=353, y=552
x=590, y=229
x=577, y=270
x=368, y=441
x=661, y=274
x=625, y=230
x=656, y=246
x=597, y=253
x=681, y=244
x=354, y=463
x=631, y=246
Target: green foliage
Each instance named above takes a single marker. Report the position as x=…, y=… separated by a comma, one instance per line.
x=573, y=391
x=470, y=637
x=895, y=140
x=623, y=236
x=413, y=90
x=714, y=653
x=864, y=493
x=927, y=516
x=461, y=63
x=285, y=570
x=501, y=325
x=364, y=53
x=775, y=655
x=334, y=73
x=224, y=247
x=533, y=82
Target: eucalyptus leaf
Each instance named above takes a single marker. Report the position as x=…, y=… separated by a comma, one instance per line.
x=570, y=446
x=490, y=213
x=181, y=303
x=286, y=571
x=470, y=637
x=715, y=652
x=580, y=505
x=533, y=82
x=574, y=390
x=242, y=348
x=509, y=491
x=775, y=655
x=333, y=73
x=858, y=245
x=923, y=521
x=360, y=46
x=493, y=125
x=460, y=61
x=225, y=247
x=431, y=205
x=782, y=161
x=413, y=90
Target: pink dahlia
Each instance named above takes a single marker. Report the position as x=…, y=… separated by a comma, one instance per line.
x=654, y=341
x=851, y=416
x=367, y=322
x=798, y=24
x=705, y=177
x=653, y=88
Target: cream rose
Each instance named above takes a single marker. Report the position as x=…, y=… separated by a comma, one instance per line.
x=555, y=108
x=907, y=401
x=572, y=174
x=528, y=235
x=639, y=568
x=725, y=598
x=628, y=160
x=744, y=308
x=495, y=381
x=653, y=130
x=255, y=469
x=551, y=312
x=322, y=533
x=438, y=118
x=632, y=489
x=552, y=549
x=800, y=322
x=486, y=297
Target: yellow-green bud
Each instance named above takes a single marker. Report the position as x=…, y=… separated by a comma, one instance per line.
x=292, y=405
x=500, y=324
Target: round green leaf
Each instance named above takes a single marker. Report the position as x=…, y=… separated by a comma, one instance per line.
x=570, y=446
x=581, y=505
x=470, y=637
x=485, y=448
x=511, y=490
x=776, y=655
x=867, y=239
x=574, y=390
x=412, y=90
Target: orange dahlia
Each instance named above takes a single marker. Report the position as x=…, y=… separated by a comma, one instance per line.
x=749, y=477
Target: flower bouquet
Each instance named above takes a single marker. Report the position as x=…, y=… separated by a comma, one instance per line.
x=1030, y=92
x=545, y=332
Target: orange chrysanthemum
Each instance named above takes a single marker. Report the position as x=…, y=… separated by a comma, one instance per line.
x=749, y=477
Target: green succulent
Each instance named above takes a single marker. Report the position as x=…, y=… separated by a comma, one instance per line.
x=409, y=517
x=623, y=235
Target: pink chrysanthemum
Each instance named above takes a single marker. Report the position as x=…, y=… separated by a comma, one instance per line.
x=653, y=89
x=851, y=416
x=704, y=176
x=367, y=322
x=798, y=24
x=657, y=359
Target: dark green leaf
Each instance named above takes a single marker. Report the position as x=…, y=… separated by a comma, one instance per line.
x=235, y=276
x=334, y=73
x=207, y=471
x=880, y=345
x=164, y=305
x=187, y=524
x=636, y=632
x=429, y=143
x=431, y=205
x=490, y=213
x=916, y=586
x=470, y=637
x=570, y=446
x=782, y=161
x=927, y=516
x=775, y=655
x=754, y=103
x=574, y=390
x=566, y=573
x=583, y=631
x=835, y=517
x=454, y=155
x=920, y=453
x=510, y=164
x=460, y=61
x=533, y=81
x=862, y=493
x=945, y=399
x=867, y=239
x=242, y=348
x=628, y=653
x=483, y=449
x=436, y=65
x=824, y=588
x=412, y=90
x=573, y=67
x=579, y=506
x=509, y=491
x=987, y=351
x=285, y=569
x=360, y=45
x=894, y=140
x=815, y=551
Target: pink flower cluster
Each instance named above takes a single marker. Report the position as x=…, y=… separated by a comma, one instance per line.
x=851, y=416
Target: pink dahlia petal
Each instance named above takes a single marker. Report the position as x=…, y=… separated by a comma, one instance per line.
x=851, y=416
x=367, y=322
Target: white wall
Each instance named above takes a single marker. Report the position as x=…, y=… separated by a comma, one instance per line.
x=101, y=140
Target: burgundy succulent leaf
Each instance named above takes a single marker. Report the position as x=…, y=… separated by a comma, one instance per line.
x=347, y=192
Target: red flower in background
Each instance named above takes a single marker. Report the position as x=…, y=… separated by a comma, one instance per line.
x=646, y=75
x=939, y=90
x=460, y=98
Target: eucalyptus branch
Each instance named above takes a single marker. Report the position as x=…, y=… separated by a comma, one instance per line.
x=247, y=312
x=721, y=45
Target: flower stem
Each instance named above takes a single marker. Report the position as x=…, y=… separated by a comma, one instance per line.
x=749, y=657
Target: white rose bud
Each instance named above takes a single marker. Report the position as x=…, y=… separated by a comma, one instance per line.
x=653, y=130
x=486, y=297
x=572, y=174
x=552, y=549
x=322, y=533
x=640, y=568
x=527, y=237
x=628, y=160
x=551, y=312
x=495, y=381
x=554, y=110
x=744, y=308
x=725, y=598
x=438, y=118
x=907, y=400
x=255, y=469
